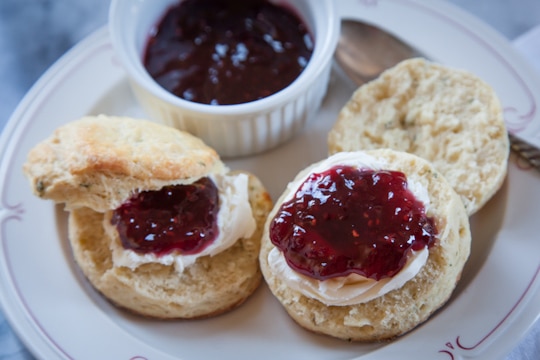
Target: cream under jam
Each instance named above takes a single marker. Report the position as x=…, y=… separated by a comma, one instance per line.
x=227, y=52
x=179, y=218
x=347, y=220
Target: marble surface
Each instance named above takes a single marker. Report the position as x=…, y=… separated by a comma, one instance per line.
x=35, y=33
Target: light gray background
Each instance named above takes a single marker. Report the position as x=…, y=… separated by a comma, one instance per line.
x=35, y=33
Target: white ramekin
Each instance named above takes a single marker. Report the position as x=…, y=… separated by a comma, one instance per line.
x=233, y=130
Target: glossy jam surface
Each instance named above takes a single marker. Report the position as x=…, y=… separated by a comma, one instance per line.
x=227, y=52
x=180, y=217
x=347, y=220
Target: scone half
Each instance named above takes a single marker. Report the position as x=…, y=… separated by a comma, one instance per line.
x=157, y=222
x=319, y=304
x=448, y=116
x=209, y=287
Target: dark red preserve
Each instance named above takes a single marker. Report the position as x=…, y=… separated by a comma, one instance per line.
x=180, y=217
x=224, y=52
x=347, y=220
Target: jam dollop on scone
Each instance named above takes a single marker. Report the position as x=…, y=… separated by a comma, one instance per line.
x=179, y=218
x=157, y=223
x=365, y=246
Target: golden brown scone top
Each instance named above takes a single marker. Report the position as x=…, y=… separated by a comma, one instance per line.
x=100, y=161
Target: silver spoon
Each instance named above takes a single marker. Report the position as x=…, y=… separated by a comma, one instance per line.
x=364, y=51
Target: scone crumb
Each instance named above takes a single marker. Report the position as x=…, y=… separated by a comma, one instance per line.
x=353, y=320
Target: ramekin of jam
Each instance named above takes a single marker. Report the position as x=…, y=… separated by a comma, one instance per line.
x=244, y=76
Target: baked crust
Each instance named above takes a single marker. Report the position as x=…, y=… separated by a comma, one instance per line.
x=98, y=162
x=447, y=116
x=400, y=310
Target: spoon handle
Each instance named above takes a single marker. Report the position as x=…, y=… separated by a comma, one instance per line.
x=526, y=150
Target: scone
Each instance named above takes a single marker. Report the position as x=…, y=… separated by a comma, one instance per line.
x=447, y=116
x=365, y=246
x=157, y=223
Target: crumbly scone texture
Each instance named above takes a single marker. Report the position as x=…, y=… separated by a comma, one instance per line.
x=100, y=161
x=400, y=310
x=211, y=286
x=96, y=163
x=447, y=116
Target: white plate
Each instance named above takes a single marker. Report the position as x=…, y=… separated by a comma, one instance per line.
x=59, y=316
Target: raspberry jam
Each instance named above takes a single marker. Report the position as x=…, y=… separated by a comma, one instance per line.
x=179, y=217
x=227, y=52
x=347, y=220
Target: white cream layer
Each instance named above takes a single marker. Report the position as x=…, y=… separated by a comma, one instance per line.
x=354, y=288
x=235, y=221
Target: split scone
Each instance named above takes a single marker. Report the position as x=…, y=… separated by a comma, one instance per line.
x=365, y=246
x=157, y=223
x=447, y=116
